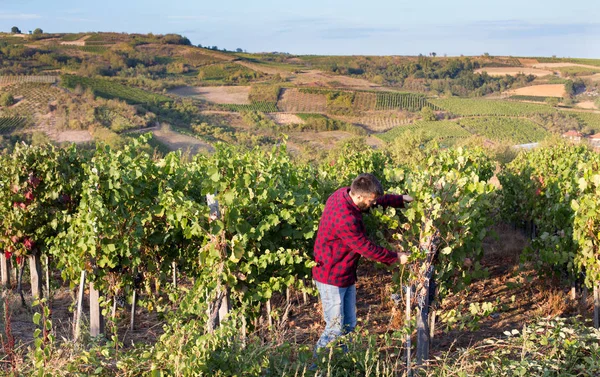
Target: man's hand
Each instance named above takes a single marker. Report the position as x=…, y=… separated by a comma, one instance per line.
x=403, y=257
x=467, y=262
x=407, y=198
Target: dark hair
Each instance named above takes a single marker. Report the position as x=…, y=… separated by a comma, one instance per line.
x=366, y=183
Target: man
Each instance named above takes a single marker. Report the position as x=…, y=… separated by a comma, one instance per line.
x=341, y=240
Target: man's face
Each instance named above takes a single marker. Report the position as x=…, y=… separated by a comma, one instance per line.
x=366, y=201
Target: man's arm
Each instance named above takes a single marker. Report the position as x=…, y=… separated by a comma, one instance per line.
x=391, y=200
x=353, y=236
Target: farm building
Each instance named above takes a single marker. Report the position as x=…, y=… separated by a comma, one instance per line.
x=573, y=135
x=595, y=140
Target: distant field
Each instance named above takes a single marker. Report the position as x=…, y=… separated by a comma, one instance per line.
x=444, y=130
x=562, y=65
x=586, y=105
x=515, y=130
x=295, y=101
x=7, y=80
x=591, y=120
x=550, y=90
x=529, y=98
x=228, y=72
x=471, y=106
x=110, y=89
x=264, y=107
x=402, y=101
x=378, y=121
x=593, y=62
x=11, y=124
x=513, y=71
x=285, y=118
x=218, y=94
x=33, y=98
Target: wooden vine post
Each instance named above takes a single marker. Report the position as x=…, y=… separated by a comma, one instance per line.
x=5, y=267
x=423, y=330
x=221, y=306
x=96, y=317
x=408, y=334
x=77, y=329
x=35, y=271
x=596, y=306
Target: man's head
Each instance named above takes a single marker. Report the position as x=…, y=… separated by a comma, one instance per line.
x=365, y=190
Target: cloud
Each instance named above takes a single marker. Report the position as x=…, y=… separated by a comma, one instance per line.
x=19, y=16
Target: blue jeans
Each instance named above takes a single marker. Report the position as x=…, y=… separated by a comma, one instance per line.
x=339, y=310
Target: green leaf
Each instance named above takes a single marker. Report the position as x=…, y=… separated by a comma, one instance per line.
x=446, y=250
x=36, y=318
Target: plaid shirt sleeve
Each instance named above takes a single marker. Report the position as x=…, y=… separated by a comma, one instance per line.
x=390, y=200
x=352, y=234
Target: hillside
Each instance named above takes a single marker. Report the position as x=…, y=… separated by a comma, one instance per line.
x=97, y=86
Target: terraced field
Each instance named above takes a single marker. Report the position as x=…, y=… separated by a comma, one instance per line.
x=33, y=98
x=295, y=101
x=11, y=124
x=46, y=79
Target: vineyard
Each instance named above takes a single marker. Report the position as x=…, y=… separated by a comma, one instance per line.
x=264, y=93
x=296, y=101
x=513, y=130
x=35, y=98
x=110, y=89
x=236, y=228
x=477, y=107
x=448, y=131
x=364, y=101
x=11, y=124
x=591, y=120
x=7, y=80
x=529, y=98
x=403, y=101
x=378, y=121
x=265, y=107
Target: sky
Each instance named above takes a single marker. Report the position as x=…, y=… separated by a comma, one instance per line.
x=327, y=27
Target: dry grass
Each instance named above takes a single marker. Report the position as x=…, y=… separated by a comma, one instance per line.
x=285, y=118
x=586, y=105
x=528, y=62
x=562, y=65
x=549, y=90
x=503, y=71
x=293, y=100
x=217, y=94
x=174, y=141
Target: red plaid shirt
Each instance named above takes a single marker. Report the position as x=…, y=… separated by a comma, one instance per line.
x=341, y=239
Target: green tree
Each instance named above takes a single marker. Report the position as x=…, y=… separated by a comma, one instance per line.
x=38, y=31
x=15, y=30
x=7, y=99
x=570, y=87
x=552, y=101
x=427, y=114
